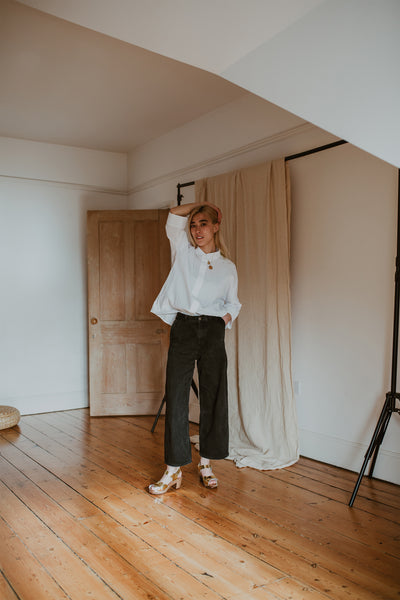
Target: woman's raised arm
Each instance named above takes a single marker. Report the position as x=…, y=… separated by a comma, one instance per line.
x=184, y=209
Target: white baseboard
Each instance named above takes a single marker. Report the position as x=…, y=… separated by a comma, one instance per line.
x=348, y=455
x=33, y=405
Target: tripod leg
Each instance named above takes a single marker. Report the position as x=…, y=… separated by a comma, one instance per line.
x=379, y=441
x=158, y=414
x=194, y=388
x=371, y=447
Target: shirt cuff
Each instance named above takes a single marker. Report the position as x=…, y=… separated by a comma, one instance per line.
x=229, y=324
x=176, y=221
x=233, y=310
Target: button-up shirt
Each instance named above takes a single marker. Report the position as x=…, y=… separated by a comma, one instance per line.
x=192, y=286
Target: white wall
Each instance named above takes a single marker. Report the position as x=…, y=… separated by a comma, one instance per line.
x=343, y=247
x=43, y=351
x=37, y=161
x=238, y=134
x=343, y=261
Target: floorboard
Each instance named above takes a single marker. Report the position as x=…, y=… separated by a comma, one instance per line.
x=76, y=522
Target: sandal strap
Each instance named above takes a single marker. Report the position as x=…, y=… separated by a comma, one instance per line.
x=201, y=467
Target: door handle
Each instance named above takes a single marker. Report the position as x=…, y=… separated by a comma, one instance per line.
x=93, y=321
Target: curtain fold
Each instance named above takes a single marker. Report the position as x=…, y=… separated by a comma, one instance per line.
x=255, y=204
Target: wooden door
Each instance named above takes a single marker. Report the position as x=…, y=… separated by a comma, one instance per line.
x=128, y=261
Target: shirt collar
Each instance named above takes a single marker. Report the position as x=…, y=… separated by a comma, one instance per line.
x=210, y=256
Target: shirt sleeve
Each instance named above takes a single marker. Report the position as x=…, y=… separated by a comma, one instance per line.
x=232, y=304
x=176, y=233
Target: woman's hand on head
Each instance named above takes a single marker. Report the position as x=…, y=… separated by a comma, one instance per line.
x=183, y=210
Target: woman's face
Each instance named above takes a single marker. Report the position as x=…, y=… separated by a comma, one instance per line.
x=203, y=231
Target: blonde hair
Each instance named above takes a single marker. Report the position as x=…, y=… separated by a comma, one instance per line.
x=215, y=218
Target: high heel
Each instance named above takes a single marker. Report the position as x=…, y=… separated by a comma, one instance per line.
x=167, y=481
x=209, y=481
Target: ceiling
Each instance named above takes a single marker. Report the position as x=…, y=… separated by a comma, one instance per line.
x=69, y=83
x=212, y=34
x=62, y=83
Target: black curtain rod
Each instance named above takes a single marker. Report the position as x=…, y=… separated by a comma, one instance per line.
x=314, y=150
x=287, y=158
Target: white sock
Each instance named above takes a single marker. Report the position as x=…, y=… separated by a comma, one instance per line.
x=172, y=470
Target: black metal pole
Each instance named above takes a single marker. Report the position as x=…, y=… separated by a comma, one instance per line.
x=179, y=196
x=396, y=300
x=314, y=150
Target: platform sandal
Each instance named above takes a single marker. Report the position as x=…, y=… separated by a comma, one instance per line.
x=167, y=481
x=208, y=478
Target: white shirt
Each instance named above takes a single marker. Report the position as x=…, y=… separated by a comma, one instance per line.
x=192, y=288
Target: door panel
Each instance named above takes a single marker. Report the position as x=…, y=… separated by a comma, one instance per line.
x=111, y=271
x=128, y=261
x=146, y=268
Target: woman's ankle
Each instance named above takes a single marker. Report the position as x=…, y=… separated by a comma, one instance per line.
x=172, y=469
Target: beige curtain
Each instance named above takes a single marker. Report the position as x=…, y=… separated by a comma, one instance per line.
x=255, y=204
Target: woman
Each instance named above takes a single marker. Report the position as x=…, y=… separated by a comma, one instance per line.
x=199, y=299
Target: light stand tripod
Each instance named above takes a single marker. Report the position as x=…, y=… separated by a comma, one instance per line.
x=389, y=406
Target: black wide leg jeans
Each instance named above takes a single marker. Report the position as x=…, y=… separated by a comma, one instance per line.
x=200, y=339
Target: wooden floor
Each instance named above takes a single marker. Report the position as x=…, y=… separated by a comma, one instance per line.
x=77, y=522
